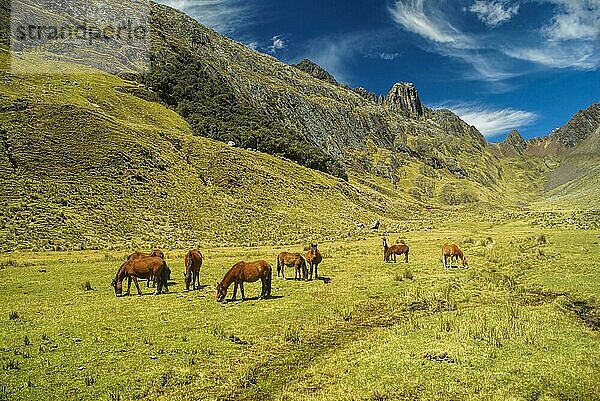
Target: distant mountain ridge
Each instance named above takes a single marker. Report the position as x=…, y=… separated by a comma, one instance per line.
x=565, y=140
x=572, y=152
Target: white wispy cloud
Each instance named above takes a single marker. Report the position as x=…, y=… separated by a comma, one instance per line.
x=224, y=16
x=331, y=54
x=335, y=53
x=569, y=39
x=425, y=18
x=494, y=13
x=491, y=122
x=277, y=43
x=252, y=45
x=575, y=20
x=584, y=56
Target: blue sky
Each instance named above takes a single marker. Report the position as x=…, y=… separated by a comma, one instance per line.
x=499, y=64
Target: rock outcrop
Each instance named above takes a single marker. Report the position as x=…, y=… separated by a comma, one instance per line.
x=378, y=99
x=315, y=70
x=513, y=146
x=403, y=97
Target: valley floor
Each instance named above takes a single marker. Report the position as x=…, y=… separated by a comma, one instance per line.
x=521, y=323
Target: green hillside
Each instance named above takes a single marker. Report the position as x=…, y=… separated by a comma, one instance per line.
x=92, y=160
x=86, y=163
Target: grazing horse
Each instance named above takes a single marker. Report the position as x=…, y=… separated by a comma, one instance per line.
x=388, y=251
x=453, y=252
x=313, y=257
x=151, y=266
x=292, y=260
x=156, y=252
x=193, y=261
x=246, y=272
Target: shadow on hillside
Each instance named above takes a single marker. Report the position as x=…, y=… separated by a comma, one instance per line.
x=324, y=279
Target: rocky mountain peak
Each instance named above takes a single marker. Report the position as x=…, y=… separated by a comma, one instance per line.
x=513, y=145
x=515, y=139
x=404, y=97
x=315, y=70
x=582, y=125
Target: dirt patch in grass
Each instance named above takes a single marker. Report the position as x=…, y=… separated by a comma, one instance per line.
x=587, y=313
x=538, y=297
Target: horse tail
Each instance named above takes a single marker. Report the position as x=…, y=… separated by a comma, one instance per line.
x=278, y=264
x=304, y=270
x=164, y=273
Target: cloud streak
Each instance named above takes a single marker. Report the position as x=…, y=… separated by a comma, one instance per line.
x=569, y=39
x=492, y=122
x=576, y=20
x=224, y=16
x=425, y=19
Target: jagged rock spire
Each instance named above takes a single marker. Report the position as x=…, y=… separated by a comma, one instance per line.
x=404, y=97
x=514, y=144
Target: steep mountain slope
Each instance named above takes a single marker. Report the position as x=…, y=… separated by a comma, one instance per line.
x=345, y=125
x=562, y=140
x=229, y=92
x=84, y=163
x=577, y=179
x=513, y=146
x=570, y=157
x=92, y=160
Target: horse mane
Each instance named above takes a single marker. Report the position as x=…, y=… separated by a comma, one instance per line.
x=121, y=272
x=227, y=279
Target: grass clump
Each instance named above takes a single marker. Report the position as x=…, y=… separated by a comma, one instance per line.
x=87, y=286
x=292, y=335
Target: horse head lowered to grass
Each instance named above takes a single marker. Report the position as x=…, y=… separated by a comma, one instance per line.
x=246, y=272
x=453, y=252
x=144, y=268
x=158, y=253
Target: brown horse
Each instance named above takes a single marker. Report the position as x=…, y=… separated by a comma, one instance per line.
x=157, y=252
x=193, y=261
x=292, y=260
x=313, y=257
x=453, y=252
x=394, y=250
x=243, y=272
x=151, y=266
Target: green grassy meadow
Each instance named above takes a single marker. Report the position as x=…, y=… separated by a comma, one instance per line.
x=521, y=323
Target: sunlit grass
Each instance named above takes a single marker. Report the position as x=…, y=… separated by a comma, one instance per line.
x=500, y=329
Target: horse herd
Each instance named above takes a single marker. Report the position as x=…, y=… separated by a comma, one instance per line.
x=152, y=267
